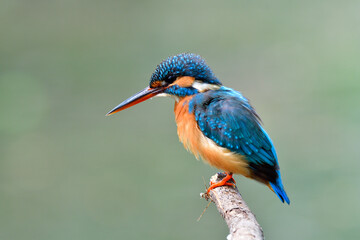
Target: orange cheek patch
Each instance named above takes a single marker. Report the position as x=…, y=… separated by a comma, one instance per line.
x=156, y=84
x=184, y=81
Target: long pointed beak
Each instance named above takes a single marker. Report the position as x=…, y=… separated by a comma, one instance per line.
x=137, y=98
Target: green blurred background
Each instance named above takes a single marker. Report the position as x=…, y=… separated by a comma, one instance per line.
x=69, y=172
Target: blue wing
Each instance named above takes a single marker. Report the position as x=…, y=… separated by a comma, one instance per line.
x=227, y=118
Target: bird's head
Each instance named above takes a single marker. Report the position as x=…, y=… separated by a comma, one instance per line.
x=178, y=76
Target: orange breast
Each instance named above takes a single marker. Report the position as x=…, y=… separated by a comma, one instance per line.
x=201, y=146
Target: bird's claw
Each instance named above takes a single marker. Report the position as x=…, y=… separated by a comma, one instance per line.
x=228, y=180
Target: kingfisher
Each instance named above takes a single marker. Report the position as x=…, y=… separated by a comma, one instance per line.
x=214, y=122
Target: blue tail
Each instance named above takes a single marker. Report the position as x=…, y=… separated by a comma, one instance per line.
x=278, y=188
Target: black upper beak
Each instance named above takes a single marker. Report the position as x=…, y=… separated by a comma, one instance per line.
x=137, y=98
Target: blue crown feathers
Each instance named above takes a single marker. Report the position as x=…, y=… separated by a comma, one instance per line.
x=184, y=64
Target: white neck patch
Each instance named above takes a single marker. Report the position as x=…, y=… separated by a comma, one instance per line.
x=168, y=95
x=202, y=87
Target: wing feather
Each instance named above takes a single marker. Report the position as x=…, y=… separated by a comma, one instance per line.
x=227, y=118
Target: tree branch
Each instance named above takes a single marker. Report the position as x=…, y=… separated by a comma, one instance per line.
x=240, y=220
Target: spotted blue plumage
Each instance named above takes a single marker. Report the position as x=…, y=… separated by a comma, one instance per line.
x=227, y=118
x=184, y=64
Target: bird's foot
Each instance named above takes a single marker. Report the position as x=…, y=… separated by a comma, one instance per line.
x=227, y=180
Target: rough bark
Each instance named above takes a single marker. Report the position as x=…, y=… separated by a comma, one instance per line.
x=231, y=206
